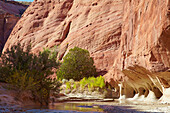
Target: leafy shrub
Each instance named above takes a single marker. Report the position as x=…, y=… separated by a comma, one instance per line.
x=92, y=82
x=68, y=85
x=53, y=52
x=26, y=71
x=75, y=86
x=76, y=65
x=83, y=82
x=21, y=81
x=100, y=82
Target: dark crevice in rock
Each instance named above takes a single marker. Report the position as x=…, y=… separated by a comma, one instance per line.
x=66, y=31
x=152, y=58
x=46, y=14
x=157, y=92
x=103, y=72
x=94, y=4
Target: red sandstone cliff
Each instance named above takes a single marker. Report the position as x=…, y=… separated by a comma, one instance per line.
x=142, y=66
x=9, y=15
x=92, y=25
x=130, y=38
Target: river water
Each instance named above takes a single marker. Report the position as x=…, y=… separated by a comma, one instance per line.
x=100, y=107
x=91, y=107
x=66, y=107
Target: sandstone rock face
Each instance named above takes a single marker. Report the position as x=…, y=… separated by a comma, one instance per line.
x=130, y=38
x=93, y=25
x=144, y=43
x=9, y=15
x=145, y=35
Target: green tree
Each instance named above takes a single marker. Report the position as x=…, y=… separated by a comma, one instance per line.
x=76, y=65
x=27, y=71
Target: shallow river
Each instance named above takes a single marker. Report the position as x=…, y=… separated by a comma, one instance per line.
x=92, y=107
x=100, y=107
x=67, y=107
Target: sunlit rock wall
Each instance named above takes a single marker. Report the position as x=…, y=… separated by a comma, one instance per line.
x=94, y=25
x=143, y=63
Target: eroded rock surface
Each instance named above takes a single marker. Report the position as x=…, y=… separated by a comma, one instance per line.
x=9, y=15
x=130, y=38
x=93, y=25
x=143, y=63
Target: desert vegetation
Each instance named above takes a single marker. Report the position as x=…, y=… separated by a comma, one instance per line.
x=91, y=83
x=76, y=65
x=93, y=87
x=25, y=71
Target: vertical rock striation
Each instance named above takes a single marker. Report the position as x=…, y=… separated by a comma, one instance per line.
x=145, y=42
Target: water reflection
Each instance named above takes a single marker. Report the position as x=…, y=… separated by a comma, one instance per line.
x=83, y=107
x=66, y=108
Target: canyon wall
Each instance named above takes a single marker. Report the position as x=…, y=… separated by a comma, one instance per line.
x=92, y=25
x=128, y=39
x=143, y=63
x=9, y=15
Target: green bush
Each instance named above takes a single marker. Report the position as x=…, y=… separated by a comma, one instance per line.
x=53, y=52
x=21, y=81
x=68, y=85
x=75, y=86
x=76, y=65
x=83, y=82
x=27, y=71
x=92, y=82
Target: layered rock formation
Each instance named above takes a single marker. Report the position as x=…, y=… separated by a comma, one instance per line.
x=143, y=64
x=130, y=38
x=9, y=15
